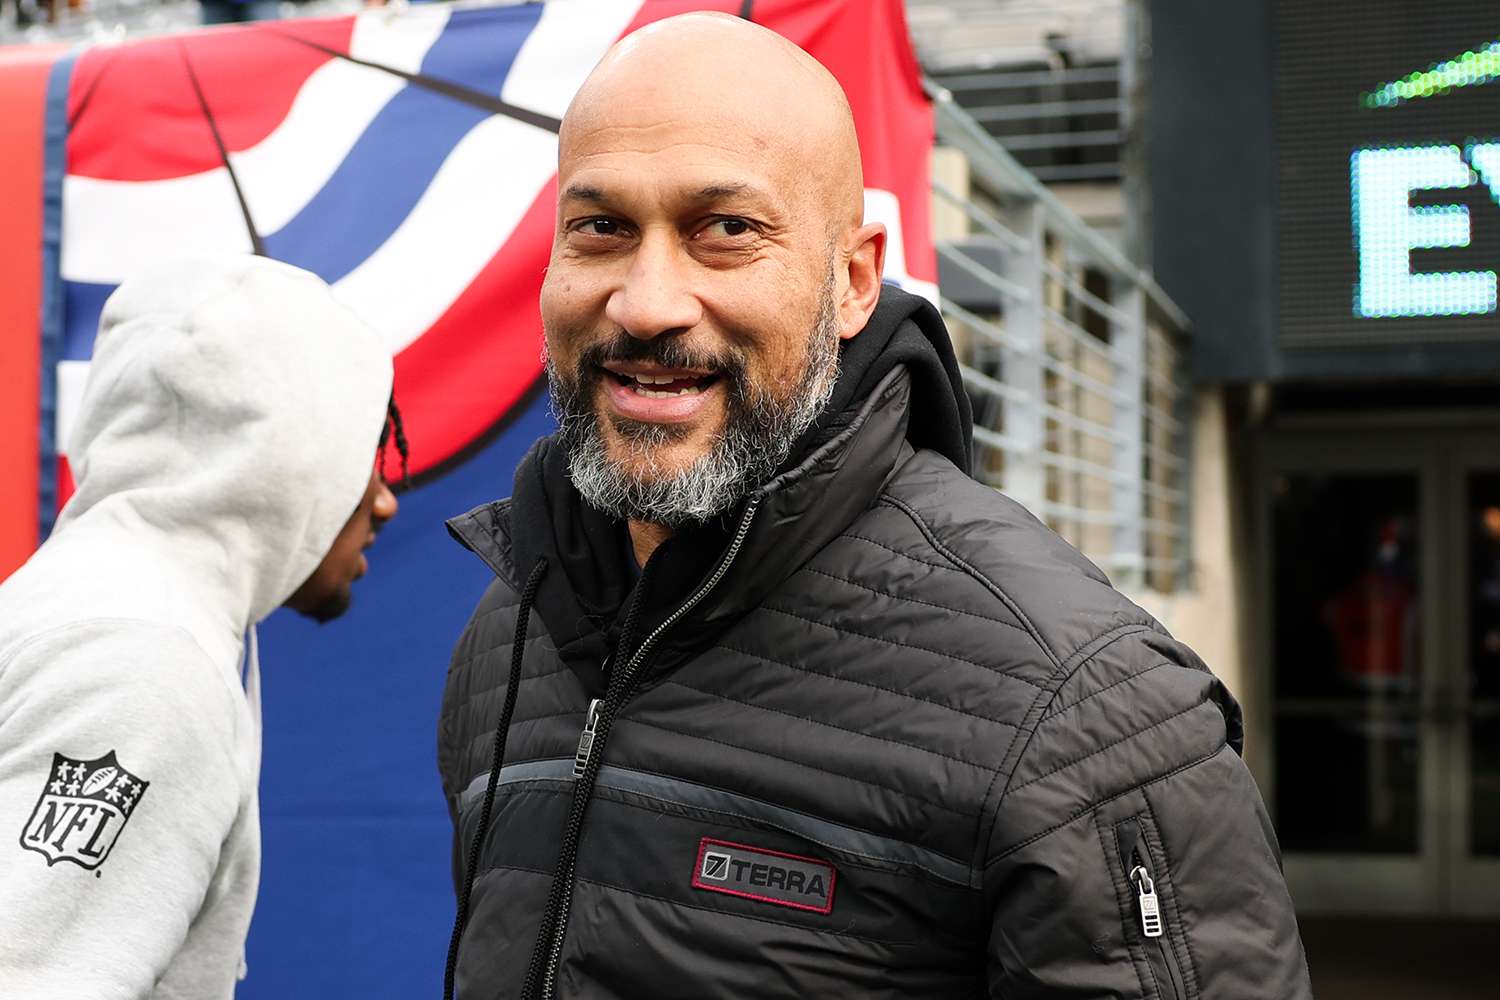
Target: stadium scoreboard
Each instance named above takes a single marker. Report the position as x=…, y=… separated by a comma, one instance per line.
x=1387, y=129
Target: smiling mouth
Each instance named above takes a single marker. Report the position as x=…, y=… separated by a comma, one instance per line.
x=668, y=386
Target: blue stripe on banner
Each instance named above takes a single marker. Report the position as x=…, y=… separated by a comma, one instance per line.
x=385, y=174
x=83, y=302
x=55, y=165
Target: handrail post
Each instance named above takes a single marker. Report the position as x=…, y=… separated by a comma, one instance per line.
x=1128, y=345
x=1025, y=424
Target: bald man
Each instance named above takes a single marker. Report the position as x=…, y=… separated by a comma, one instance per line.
x=768, y=698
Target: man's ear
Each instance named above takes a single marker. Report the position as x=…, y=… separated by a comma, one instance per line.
x=864, y=256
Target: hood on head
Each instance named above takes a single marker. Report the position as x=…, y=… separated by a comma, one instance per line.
x=233, y=407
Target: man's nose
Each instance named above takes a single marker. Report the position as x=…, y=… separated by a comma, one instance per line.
x=657, y=295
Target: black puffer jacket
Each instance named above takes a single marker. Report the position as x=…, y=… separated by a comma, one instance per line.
x=880, y=734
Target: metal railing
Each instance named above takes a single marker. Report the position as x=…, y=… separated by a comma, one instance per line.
x=1073, y=358
x=1062, y=123
x=1044, y=77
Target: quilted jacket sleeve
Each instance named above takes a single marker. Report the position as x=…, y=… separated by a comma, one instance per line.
x=1130, y=854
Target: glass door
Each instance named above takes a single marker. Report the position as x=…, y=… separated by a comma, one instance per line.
x=1471, y=701
x=1352, y=588
x=1381, y=584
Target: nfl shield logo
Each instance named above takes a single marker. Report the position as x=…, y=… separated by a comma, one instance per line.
x=82, y=809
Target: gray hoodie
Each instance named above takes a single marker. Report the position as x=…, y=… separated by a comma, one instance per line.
x=226, y=434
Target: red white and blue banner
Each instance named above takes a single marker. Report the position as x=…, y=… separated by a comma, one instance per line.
x=408, y=158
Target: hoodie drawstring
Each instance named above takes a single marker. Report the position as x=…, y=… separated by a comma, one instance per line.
x=502, y=730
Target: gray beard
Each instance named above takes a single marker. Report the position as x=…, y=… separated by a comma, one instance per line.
x=758, y=436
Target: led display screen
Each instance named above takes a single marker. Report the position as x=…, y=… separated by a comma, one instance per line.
x=1387, y=123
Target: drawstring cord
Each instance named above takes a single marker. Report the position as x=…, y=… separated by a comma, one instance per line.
x=502, y=730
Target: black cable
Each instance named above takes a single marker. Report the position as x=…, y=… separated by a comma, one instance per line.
x=502, y=730
x=257, y=245
x=456, y=91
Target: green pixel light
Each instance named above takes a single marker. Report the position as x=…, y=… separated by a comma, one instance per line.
x=1468, y=70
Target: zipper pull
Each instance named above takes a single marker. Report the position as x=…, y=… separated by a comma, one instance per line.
x=586, y=739
x=1145, y=891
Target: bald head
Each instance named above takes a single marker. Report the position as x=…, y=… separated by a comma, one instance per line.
x=719, y=77
x=710, y=254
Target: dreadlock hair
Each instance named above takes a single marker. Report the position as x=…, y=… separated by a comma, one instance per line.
x=393, y=428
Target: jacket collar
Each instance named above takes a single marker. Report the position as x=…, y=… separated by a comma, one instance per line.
x=810, y=505
x=585, y=588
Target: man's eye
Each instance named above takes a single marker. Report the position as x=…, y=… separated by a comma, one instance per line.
x=601, y=227
x=729, y=227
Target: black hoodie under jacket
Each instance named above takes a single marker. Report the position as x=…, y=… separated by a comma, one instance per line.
x=875, y=733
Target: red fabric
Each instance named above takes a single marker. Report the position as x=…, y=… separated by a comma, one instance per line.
x=865, y=44
x=23, y=92
x=465, y=373
x=154, y=128
x=475, y=363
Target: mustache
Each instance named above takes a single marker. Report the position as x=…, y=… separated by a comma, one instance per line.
x=668, y=351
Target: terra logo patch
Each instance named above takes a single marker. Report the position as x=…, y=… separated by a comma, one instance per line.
x=763, y=875
x=82, y=809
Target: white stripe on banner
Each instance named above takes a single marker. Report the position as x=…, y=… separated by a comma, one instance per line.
x=487, y=182
x=111, y=227
x=571, y=37
x=883, y=206
x=466, y=214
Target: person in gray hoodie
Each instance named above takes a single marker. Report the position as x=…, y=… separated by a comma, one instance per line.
x=226, y=464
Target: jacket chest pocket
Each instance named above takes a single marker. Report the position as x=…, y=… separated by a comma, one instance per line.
x=1154, y=927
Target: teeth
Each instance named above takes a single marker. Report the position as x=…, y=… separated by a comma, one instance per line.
x=657, y=394
x=657, y=379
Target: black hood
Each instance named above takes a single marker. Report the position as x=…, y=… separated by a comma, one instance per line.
x=904, y=352
x=905, y=329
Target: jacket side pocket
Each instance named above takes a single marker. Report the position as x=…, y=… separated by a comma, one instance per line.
x=1153, y=930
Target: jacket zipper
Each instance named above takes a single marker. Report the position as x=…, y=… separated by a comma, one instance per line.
x=586, y=742
x=1141, y=874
